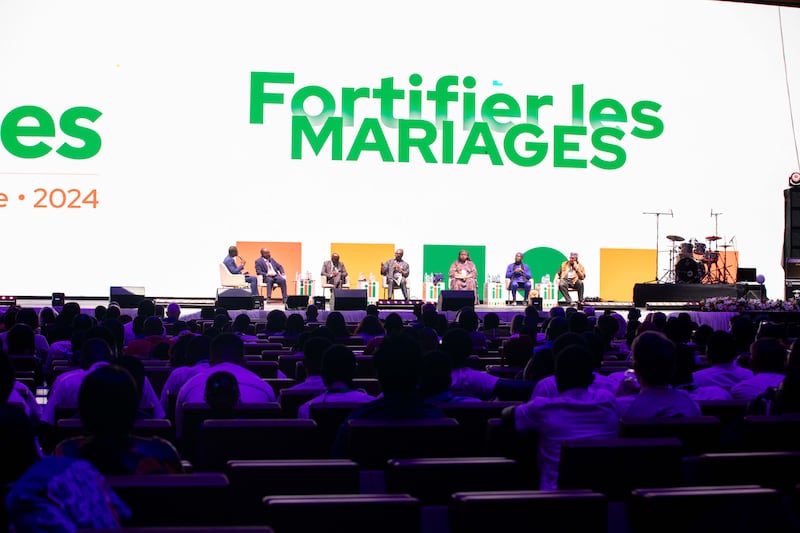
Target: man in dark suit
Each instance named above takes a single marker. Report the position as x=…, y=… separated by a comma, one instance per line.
x=272, y=273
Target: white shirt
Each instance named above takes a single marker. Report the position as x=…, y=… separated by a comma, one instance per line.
x=468, y=382
x=750, y=388
x=547, y=386
x=351, y=396
x=724, y=375
x=576, y=413
x=252, y=389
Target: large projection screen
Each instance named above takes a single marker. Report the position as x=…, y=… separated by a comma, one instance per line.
x=141, y=139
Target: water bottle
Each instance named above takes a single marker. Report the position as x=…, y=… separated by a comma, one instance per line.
x=371, y=277
x=547, y=279
x=361, y=276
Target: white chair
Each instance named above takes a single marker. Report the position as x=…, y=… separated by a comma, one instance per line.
x=327, y=288
x=226, y=279
x=526, y=297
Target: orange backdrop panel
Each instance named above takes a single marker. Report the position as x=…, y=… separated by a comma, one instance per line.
x=621, y=269
x=288, y=254
x=362, y=258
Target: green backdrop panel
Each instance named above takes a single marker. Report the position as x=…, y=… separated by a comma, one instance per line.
x=543, y=261
x=437, y=258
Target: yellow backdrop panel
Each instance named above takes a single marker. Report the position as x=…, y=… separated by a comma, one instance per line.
x=288, y=254
x=361, y=258
x=621, y=269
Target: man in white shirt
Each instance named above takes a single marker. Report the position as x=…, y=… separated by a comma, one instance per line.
x=768, y=361
x=723, y=372
x=227, y=354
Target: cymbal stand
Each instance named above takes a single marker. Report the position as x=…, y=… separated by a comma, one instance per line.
x=725, y=272
x=669, y=275
x=657, y=214
x=717, y=278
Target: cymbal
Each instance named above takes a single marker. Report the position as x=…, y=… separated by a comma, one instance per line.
x=713, y=238
x=675, y=238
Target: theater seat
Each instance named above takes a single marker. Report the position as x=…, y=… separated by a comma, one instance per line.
x=371, y=443
x=473, y=417
x=772, y=432
x=775, y=470
x=614, y=467
x=251, y=481
x=434, y=480
x=706, y=510
x=337, y=513
x=175, y=499
x=225, y=440
x=699, y=434
x=525, y=510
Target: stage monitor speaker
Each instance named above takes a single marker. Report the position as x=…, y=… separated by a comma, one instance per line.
x=319, y=303
x=751, y=291
x=58, y=299
x=455, y=300
x=236, y=299
x=536, y=303
x=296, y=302
x=349, y=300
x=128, y=297
x=745, y=275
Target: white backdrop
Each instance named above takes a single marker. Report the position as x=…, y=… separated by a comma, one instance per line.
x=182, y=172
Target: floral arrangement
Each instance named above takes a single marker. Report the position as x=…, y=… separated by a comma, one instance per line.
x=742, y=304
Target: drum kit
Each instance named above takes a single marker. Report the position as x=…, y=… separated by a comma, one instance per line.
x=693, y=261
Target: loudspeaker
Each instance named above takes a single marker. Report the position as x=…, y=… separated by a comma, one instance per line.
x=207, y=313
x=792, y=285
x=349, y=300
x=536, y=303
x=296, y=302
x=127, y=297
x=455, y=300
x=236, y=299
x=58, y=299
x=791, y=233
x=319, y=303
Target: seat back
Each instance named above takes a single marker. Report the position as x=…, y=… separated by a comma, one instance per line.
x=704, y=509
x=371, y=443
x=195, y=413
x=699, y=434
x=434, y=480
x=292, y=399
x=175, y=499
x=772, y=432
x=251, y=481
x=614, y=467
x=473, y=417
x=351, y=513
x=329, y=417
x=225, y=440
x=775, y=470
x=559, y=510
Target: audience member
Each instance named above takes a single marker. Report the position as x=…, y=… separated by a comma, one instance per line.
x=576, y=412
x=152, y=335
x=222, y=394
x=338, y=372
x=197, y=355
x=398, y=363
x=51, y=493
x=466, y=381
x=436, y=376
x=724, y=372
x=107, y=404
x=654, y=364
x=768, y=363
x=226, y=353
x=313, y=349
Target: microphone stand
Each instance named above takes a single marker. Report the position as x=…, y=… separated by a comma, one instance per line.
x=658, y=236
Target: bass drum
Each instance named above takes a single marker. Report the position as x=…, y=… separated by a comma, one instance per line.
x=687, y=270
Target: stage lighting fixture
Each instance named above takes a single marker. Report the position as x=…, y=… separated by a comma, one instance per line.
x=8, y=300
x=794, y=179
